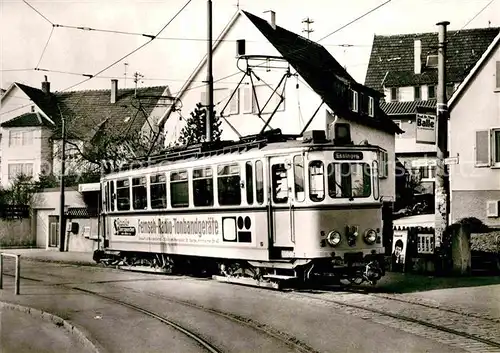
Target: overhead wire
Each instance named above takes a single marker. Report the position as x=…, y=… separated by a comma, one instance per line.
x=473, y=18
x=132, y=52
x=45, y=48
x=38, y=12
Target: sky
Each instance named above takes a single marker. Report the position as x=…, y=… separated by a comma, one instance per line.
x=29, y=41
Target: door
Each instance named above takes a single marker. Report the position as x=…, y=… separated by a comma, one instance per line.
x=53, y=231
x=281, y=201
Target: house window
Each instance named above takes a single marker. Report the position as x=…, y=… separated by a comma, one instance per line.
x=384, y=164
x=15, y=138
x=416, y=91
x=431, y=92
x=496, y=146
x=246, y=94
x=17, y=169
x=425, y=243
x=264, y=93
x=399, y=124
x=394, y=94
x=353, y=102
x=487, y=148
x=371, y=106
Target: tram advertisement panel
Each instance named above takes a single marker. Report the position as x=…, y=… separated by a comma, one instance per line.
x=183, y=229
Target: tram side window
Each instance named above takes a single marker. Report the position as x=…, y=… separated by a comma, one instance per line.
x=139, y=193
x=280, y=183
x=203, y=187
x=249, y=183
x=123, y=195
x=316, y=181
x=259, y=182
x=228, y=184
x=298, y=175
x=179, y=189
x=106, y=198
x=112, y=195
x=158, y=191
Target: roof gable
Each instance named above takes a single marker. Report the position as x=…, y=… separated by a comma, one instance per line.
x=84, y=110
x=25, y=120
x=475, y=71
x=392, y=57
x=322, y=73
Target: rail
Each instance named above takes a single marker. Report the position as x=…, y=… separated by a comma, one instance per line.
x=18, y=270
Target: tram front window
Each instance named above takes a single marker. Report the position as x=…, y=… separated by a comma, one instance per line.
x=349, y=180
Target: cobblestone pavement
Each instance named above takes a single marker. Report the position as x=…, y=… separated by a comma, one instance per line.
x=472, y=326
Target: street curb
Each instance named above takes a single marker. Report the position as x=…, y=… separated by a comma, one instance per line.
x=57, y=261
x=58, y=321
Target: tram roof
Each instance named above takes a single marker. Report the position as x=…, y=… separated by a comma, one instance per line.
x=255, y=145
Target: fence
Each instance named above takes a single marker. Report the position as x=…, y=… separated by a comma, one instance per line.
x=14, y=211
x=18, y=270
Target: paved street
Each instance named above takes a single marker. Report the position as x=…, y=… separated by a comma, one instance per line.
x=235, y=318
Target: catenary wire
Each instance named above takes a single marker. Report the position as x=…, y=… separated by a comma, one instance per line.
x=38, y=12
x=45, y=47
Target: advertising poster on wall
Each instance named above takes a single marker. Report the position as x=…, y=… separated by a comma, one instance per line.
x=399, y=245
x=426, y=126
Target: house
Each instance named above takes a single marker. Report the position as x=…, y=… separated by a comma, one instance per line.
x=31, y=125
x=290, y=79
x=475, y=138
x=404, y=68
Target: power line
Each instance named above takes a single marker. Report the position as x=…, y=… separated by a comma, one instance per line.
x=44, y=48
x=356, y=19
x=38, y=12
x=473, y=18
x=133, y=51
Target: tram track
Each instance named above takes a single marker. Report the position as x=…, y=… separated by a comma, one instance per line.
x=286, y=339
x=465, y=340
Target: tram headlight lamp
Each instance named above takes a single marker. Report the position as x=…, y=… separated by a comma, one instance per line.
x=370, y=236
x=333, y=238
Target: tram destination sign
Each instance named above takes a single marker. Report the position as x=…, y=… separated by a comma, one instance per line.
x=348, y=156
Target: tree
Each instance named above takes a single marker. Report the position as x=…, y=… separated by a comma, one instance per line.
x=195, y=129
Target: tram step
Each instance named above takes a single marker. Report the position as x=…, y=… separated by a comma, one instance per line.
x=280, y=277
x=246, y=281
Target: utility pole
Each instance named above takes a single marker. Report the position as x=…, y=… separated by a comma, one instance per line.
x=442, y=177
x=210, y=78
x=62, y=216
x=125, y=74
x=308, y=29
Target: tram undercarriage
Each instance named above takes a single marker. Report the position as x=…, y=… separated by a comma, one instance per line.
x=276, y=274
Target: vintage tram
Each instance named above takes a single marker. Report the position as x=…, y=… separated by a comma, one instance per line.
x=262, y=210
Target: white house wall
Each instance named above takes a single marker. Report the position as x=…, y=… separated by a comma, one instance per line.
x=477, y=109
x=291, y=120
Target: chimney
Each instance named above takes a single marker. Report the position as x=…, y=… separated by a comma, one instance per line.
x=271, y=18
x=417, y=53
x=46, y=86
x=114, y=90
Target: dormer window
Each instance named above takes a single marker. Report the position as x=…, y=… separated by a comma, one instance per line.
x=371, y=106
x=394, y=94
x=354, y=101
x=432, y=61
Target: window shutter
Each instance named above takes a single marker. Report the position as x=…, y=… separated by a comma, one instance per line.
x=498, y=74
x=247, y=100
x=203, y=98
x=234, y=104
x=482, y=148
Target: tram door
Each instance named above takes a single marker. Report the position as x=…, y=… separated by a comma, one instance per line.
x=281, y=179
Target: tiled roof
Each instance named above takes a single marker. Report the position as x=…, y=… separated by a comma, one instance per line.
x=320, y=70
x=406, y=108
x=85, y=110
x=27, y=119
x=391, y=61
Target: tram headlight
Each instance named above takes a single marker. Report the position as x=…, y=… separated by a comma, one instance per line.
x=370, y=236
x=333, y=238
